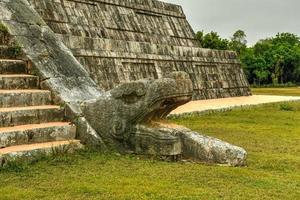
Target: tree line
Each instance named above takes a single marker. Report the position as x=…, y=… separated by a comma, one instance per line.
x=271, y=61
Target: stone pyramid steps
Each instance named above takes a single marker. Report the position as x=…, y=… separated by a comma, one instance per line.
x=18, y=81
x=29, y=123
x=36, y=133
x=30, y=115
x=4, y=51
x=21, y=98
x=8, y=52
x=5, y=39
x=10, y=66
x=46, y=148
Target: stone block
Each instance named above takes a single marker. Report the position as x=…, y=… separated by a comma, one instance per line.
x=36, y=133
x=12, y=66
x=30, y=115
x=20, y=81
x=22, y=98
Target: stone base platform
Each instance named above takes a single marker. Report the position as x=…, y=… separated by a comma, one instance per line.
x=228, y=103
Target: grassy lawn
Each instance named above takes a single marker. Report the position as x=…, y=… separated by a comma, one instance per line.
x=270, y=134
x=293, y=91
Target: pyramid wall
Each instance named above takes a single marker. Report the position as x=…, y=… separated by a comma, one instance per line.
x=120, y=41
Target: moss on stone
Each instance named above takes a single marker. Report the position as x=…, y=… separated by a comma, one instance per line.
x=4, y=36
x=3, y=29
x=14, y=51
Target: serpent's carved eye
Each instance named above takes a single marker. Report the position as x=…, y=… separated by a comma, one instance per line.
x=130, y=93
x=131, y=98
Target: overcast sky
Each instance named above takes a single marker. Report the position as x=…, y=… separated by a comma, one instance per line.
x=258, y=18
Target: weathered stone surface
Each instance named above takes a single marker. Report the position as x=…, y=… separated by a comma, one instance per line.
x=150, y=140
x=54, y=63
x=37, y=150
x=30, y=115
x=115, y=114
x=22, y=98
x=208, y=149
x=126, y=118
x=9, y=52
x=121, y=41
x=21, y=81
x=27, y=122
x=4, y=38
x=36, y=133
x=88, y=135
x=118, y=42
x=171, y=140
x=12, y=66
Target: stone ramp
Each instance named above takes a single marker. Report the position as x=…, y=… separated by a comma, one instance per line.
x=228, y=103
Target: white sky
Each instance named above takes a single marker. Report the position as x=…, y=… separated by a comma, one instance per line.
x=258, y=18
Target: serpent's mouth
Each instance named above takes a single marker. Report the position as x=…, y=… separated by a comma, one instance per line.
x=162, y=107
x=156, y=136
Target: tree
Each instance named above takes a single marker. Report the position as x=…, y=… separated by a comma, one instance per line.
x=240, y=36
x=281, y=57
x=212, y=41
x=286, y=38
x=199, y=37
x=238, y=41
x=270, y=61
x=255, y=67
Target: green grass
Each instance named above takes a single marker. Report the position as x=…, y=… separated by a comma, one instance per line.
x=270, y=134
x=293, y=91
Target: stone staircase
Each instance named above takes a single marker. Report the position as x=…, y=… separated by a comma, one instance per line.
x=29, y=122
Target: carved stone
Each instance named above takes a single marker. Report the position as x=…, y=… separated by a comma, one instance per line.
x=122, y=40
x=116, y=65
x=128, y=117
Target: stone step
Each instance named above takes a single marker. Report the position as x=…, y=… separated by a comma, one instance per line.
x=8, y=52
x=21, y=98
x=30, y=115
x=4, y=51
x=36, y=133
x=18, y=81
x=38, y=149
x=9, y=66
